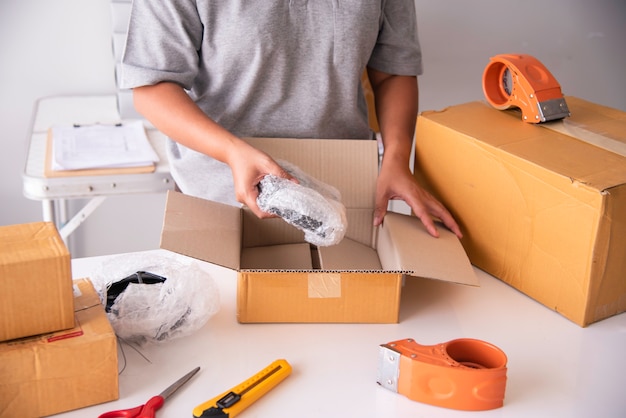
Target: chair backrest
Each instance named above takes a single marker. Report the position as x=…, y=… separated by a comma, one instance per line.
x=120, y=16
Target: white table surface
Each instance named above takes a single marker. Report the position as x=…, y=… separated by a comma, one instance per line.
x=555, y=367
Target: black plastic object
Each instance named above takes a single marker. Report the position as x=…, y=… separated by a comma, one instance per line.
x=118, y=287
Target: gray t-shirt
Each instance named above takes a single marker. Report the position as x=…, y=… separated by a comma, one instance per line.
x=268, y=68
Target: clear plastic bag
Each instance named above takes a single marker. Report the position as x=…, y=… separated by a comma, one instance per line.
x=157, y=312
x=311, y=206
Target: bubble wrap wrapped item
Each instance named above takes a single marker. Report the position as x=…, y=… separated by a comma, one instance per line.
x=311, y=206
x=158, y=312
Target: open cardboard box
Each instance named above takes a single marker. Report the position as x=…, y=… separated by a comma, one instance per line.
x=281, y=278
x=542, y=207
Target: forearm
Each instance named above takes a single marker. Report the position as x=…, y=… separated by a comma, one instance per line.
x=396, y=101
x=396, y=109
x=171, y=110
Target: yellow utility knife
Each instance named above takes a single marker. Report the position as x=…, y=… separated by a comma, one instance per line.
x=230, y=403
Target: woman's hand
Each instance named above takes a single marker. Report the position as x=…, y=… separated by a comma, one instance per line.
x=249, y=165
x=396, y=182
x=396, y=109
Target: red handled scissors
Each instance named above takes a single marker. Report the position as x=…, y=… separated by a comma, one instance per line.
x=148, y=410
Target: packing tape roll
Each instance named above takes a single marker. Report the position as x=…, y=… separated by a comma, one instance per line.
x=464, y=374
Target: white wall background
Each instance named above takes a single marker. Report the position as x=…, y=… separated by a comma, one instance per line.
x=62, y=47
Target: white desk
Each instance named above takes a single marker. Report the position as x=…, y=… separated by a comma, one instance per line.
x=53, y=192
x=556, y=368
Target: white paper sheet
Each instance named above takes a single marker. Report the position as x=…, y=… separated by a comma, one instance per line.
x=101, y=146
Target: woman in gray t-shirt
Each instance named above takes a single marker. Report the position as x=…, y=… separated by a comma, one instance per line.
x=207, y=73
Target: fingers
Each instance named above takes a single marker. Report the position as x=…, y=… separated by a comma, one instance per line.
x=449, y=221
x=249, y=199
x=429, y=224
x=379, y=214
x=251, y=174
x=431, y=209
x=425, y=207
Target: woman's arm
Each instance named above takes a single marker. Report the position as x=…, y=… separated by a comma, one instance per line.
x=174, y=113
x=396, y=102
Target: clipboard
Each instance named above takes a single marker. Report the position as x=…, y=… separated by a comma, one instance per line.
x=100, y=171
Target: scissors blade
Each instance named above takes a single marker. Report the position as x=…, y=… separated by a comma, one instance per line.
x=177, y=384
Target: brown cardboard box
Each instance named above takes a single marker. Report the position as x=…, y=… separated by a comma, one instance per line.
x=62, y=371
x=35, y=281
x=543, y=210
x=283, y=279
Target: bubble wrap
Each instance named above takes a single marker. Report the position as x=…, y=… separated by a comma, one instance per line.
x=312, y=206
x=160, y=312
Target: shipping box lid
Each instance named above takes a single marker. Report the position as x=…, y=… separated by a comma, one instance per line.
x=220, y=233
x=548, y=145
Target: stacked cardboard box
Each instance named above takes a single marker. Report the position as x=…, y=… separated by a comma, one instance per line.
x=543, y=207
x=61, y=371
x=58, y=349
x=35, y=281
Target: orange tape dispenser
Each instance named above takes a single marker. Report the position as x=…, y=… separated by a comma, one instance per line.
x=464, y=374
x=519, y=80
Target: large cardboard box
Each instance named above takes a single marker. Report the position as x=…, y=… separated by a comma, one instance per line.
x=62, y=371
x=542, y=207
x=281, y=278
x=35, y=281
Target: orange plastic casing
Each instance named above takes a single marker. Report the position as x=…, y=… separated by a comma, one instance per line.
x=521, y=80
x=464, y=374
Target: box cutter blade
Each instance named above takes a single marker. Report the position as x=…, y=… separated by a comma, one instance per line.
x=230, y=403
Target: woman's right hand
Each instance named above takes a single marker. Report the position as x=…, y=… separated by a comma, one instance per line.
x=249, y=165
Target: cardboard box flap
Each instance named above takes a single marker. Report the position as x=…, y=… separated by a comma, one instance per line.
x=202, y=229
x=405, y=245
x=349, y=255
x=277, y=257
x=545, y=148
